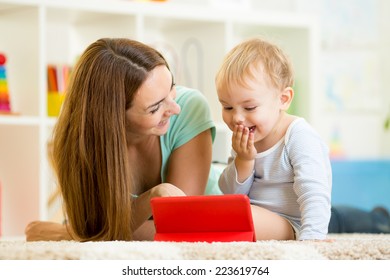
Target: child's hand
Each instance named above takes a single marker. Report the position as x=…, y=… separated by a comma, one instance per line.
x=243, y=143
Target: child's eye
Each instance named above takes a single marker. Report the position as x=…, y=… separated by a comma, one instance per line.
x=250, y=108
x=227, y=108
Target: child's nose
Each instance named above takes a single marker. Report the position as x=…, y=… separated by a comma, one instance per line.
x=238, y=118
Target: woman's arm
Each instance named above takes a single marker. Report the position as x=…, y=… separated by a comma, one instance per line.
x=188, y=169
x=46, y=231
x=144, y=229
x=189, y=165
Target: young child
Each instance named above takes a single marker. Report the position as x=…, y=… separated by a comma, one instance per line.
x=278, y=160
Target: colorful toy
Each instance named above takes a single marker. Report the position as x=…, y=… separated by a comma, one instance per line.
x=5, y=106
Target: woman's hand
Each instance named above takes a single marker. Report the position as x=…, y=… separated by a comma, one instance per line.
x=143, y=227
x=141, y=205
x=165, y=189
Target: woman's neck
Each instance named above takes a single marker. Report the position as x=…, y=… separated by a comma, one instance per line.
x=145, y=160
x=137, y=141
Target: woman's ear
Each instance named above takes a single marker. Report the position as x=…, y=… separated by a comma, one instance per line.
x=286, y=98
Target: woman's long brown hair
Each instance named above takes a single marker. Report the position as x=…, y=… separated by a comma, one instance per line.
x=89, y=140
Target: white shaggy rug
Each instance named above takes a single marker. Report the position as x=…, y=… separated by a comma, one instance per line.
x=343, y=247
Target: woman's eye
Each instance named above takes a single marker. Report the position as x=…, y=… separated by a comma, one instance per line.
x=156, y=108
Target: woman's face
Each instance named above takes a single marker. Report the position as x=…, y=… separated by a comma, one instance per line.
x=153, y=104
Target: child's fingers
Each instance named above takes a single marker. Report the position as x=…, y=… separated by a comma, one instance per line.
x=243, y=142
x=251, y=140
x=251, y=145
x=244, y=139
x=240, y=139
x=237, y=135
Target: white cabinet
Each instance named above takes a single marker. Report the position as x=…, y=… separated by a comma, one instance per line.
x=35, y=33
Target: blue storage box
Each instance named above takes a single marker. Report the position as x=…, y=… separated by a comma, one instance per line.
x=361, y=183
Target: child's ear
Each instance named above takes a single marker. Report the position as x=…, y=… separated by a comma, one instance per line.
x=286, y=98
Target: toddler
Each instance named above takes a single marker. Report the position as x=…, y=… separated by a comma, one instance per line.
x=278, y=160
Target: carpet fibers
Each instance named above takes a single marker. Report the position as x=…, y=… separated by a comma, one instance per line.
x=341, y=247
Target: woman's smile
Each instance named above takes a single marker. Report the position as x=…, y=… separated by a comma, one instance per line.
x=163, y=123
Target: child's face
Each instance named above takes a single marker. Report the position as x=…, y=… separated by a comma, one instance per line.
x=256, y=107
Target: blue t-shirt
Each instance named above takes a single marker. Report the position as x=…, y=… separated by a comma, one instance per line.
x=194, y=118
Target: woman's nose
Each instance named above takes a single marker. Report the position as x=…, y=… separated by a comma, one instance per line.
x=174, y=108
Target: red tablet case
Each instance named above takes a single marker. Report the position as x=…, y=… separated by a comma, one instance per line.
x=207, y=218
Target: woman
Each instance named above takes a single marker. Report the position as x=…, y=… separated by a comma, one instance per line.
x=120, y=140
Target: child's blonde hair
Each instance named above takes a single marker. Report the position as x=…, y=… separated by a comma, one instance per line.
x=239, y=63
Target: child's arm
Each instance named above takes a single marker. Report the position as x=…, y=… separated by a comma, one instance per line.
x=312, y=182
x=229, y=184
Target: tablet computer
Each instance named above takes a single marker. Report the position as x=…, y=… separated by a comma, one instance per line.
x=206, y=218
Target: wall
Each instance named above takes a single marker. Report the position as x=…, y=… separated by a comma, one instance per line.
x=353, y=75
x=352, y=102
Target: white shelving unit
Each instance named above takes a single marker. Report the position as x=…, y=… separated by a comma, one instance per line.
x=194, y=40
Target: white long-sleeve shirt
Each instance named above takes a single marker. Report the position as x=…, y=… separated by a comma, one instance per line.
x=293, y=179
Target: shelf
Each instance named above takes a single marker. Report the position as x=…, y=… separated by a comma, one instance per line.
x=22, y=55
x=19, y=120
